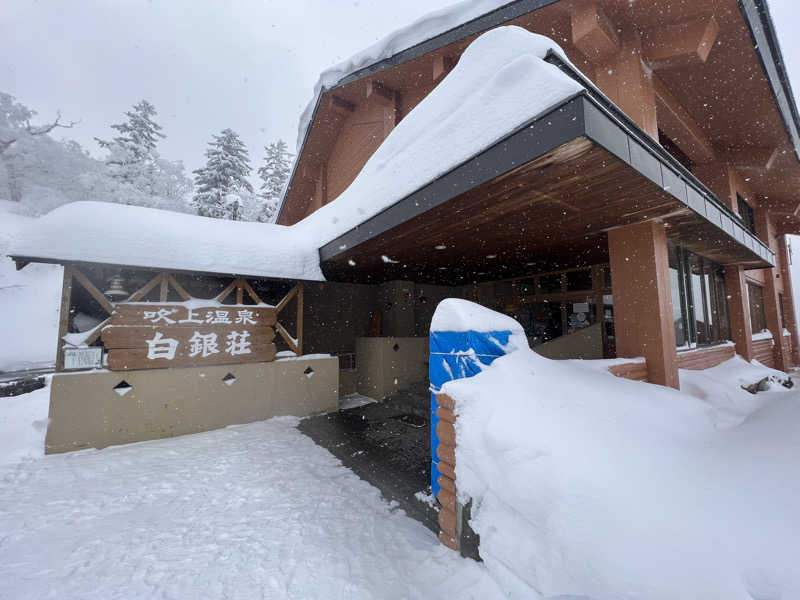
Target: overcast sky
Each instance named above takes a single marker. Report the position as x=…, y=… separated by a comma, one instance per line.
x=206, y=65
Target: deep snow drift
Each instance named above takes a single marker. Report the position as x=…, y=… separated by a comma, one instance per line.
x=588, y=484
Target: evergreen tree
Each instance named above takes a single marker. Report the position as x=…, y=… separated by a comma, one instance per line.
x=222, y=185
x=274, y=174
x=132, y=154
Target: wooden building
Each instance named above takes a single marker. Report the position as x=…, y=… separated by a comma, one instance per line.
x=652, y=206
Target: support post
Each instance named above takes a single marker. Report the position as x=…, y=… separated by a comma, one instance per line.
x=63, y=318
x=772, y=309
x=739, y=311
x=643, y=318
x=788, y=298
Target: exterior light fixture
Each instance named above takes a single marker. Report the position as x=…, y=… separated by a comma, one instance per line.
x=116, y=288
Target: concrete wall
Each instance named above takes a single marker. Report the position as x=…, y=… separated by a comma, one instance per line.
x=388, y=364
x=86, y=412
x=586, y=343
x=335, y=314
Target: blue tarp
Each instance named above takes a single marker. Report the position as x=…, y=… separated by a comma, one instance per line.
x=456, y=355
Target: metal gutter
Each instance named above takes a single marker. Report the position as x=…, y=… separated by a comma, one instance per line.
x=765, y=39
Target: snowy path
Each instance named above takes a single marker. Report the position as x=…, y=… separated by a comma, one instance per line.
x=252, y=511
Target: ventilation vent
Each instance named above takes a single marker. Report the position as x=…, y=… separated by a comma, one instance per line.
x=229, y=379
x=396, y=347
x=123, y=387
x=309, y=372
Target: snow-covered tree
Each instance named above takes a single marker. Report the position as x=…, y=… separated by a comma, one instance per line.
x=42, y=173
x=222, y=185
x=132, y=154
x=274, y=174
x=133, y=159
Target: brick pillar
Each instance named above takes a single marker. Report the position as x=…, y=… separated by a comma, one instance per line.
x=788, y=298
x=739, y=311
x=643, y=319
x=455, y=532
x=772, y=309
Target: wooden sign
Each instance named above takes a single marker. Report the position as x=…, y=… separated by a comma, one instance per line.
x=158, y=336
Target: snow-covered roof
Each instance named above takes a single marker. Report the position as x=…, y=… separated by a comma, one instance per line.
x=501, y=83
x=118, y=234
x=424, y=28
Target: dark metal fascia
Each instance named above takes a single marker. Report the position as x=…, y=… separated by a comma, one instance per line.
x=765, y=40
x=533, y=139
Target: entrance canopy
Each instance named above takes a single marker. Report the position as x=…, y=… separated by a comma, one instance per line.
x=543, y=197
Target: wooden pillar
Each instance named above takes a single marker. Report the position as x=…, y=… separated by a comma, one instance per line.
x=739, y=311
x=643, y=318
x=63, y=318
x=788, y=298
x=772, y=309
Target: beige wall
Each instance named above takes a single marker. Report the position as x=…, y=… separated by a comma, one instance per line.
x=86, y=412
x=383, y=370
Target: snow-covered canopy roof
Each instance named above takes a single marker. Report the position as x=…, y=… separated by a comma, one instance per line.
x=135, y=236
x=500, y=83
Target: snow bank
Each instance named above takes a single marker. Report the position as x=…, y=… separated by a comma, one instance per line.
x=29, y=302
x=422, y=29
x=587, y=484
x=23, y=425
x=500, y=82
x=146, y=237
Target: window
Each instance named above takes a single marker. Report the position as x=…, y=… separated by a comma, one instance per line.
x=699, y=299
x=758, y=318
x=746, y=213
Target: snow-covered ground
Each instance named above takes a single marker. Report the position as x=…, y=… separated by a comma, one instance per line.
x=251, y=511
x=29, y=302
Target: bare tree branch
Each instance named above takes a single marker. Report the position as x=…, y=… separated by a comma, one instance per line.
x=41, y=130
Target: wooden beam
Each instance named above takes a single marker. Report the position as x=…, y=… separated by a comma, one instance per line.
x=163, y=295
x=287, y=298
x=63, y=318
x=593, y=33
x=781, y=206
x=143, y=291
x=95, y=293
x=681, y=44
x=98, y=330
x=287, y=338
x=178, y=287
x=336, y=103
x=227, y=291
x=251, y=292
x=752, y=159
x=376, y=88
x=300, y=319
x=442, y=65
x=676, y=122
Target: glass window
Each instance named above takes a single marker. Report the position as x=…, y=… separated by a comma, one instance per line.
x=758, y=318
x=746, y=213
x=678, y=300
x=699, y=299
x=550, y=283
x=579, y=280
